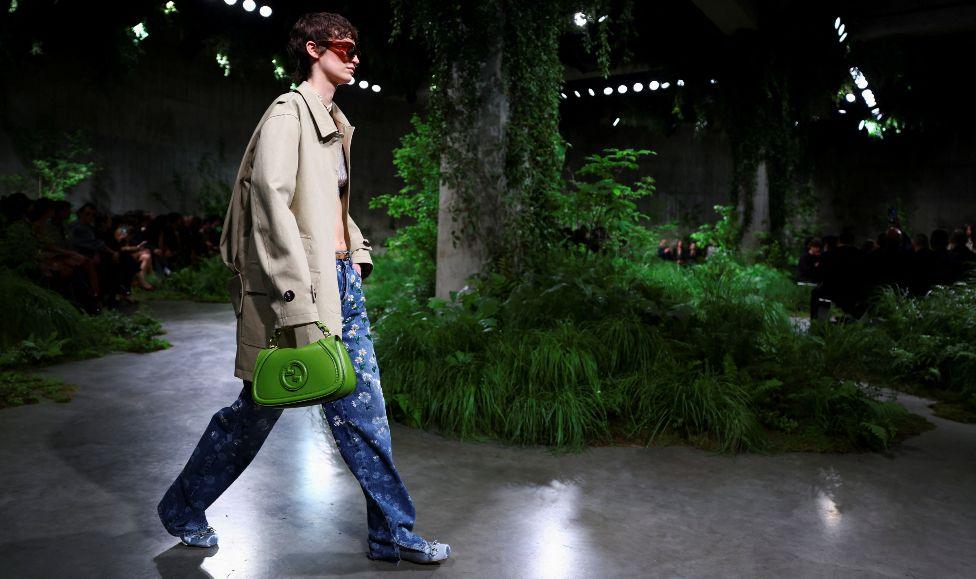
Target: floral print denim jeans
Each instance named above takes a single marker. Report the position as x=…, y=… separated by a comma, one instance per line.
x=359, y=426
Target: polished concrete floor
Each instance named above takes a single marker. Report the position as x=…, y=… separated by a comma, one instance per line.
x=80, y=482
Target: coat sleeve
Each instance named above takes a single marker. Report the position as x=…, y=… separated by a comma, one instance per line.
x=359, y=248
x=277, y=241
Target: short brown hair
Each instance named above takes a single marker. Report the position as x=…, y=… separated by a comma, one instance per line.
x=315, y=26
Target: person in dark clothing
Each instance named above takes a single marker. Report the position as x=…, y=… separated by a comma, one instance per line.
x=683, y=252
x=965, y=258
x=889, y=264
x=84, y=236
x=664, y=250
x=843, y=277
x=829, y=243
x=85, y=239
x=921, y=266
x=808, y=267
x=946, y=268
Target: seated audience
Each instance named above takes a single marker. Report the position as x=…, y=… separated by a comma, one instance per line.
x=95, y=260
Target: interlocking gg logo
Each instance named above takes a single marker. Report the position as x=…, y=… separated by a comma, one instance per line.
x=293, y=375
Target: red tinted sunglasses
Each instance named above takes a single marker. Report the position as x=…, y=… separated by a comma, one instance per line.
x=344, y=49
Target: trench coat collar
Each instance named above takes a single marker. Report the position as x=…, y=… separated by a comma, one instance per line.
x=328, y=126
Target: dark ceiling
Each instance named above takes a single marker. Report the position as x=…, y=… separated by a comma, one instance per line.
x=915, y=50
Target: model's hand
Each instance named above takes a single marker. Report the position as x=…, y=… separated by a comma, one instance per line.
x=359, y=270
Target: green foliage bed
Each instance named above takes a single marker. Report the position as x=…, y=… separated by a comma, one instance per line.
x=600, y=342
x=40, y=327
x=927, y=346
x=597, y=351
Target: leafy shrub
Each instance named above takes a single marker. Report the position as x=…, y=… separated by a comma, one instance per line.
x=583, y=354
x=19, y=250
x=205, y=281
x=928, y=344
x=31, y=310
x=418, y=164
x=601, y=208
x=41, y=328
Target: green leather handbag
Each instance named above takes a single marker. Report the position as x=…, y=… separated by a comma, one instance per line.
x=313, y=374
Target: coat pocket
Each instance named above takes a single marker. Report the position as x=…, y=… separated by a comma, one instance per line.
x=235, y=288
x=311, y=255
x=257, y=319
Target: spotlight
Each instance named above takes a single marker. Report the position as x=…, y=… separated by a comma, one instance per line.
x=860, y=126
x=249, y=5
x=842, y=37
x=265, y=11
x=653, y=85
x=868, y=96
x=849, y=97
x=375, y=88
x=840, y=31
x=576, y=92
x=680, y=82
x=615, y=121
x=580, y=19
x=353, y=81
x=842, y=111
x=837, y=23
x=230, y=2
x=622, y=89
x=602, y=18
x=589, y=90
x=712, y=81
x=638, y=87
x=562, y=95
x=363, y=84
x=665, y=85
x=607, y=90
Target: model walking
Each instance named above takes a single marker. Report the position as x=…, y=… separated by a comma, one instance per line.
x=284, y=223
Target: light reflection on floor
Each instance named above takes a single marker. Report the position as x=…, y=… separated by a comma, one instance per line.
x=829, y=483
x=310, y=490
x=555, y=539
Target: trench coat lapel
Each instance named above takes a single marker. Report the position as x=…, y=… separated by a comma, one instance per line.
x=346, y=130
x=324, y=124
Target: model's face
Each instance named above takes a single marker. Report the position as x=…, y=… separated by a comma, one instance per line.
x=335, y=67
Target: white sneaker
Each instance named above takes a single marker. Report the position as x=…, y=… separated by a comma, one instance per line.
x=435, y=553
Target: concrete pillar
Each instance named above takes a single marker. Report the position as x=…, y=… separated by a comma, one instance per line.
x=757, y=221
x=481, y=138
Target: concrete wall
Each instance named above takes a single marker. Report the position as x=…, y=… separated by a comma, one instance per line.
x=692, y=171
x=931, y=176
x=165, y=116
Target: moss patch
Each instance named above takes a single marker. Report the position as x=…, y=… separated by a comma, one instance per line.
x=19, y=388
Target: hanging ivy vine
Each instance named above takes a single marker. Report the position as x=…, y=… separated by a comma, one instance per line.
x=465, y=40
x=768, y=99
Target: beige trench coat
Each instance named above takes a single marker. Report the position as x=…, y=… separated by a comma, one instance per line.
x=278, y=235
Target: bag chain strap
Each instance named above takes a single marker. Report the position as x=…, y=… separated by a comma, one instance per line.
x=273, y=341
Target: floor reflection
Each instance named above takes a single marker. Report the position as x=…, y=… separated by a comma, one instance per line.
x=556, y=540
x=829, y=483
x=293, y=497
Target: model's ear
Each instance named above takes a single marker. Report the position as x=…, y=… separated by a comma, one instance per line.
x=312, y=49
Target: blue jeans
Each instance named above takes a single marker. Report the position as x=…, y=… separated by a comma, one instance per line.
x=359, y=426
